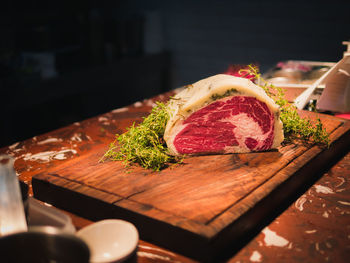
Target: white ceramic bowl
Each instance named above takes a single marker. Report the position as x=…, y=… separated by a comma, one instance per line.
x=110, y=240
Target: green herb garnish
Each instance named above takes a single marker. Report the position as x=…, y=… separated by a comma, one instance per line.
x=143, y=143
x=227, y=93
x=294, y=126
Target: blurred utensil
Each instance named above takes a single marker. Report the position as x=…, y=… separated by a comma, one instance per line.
x=43, y=244
x=301, y=101
x=110, y=240
x=12, y=215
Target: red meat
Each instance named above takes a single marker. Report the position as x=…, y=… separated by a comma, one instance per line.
x=231, y=124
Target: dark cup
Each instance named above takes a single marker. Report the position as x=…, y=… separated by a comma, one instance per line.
x=41, y=245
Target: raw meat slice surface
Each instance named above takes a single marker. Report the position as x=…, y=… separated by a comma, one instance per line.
x=227, y=125
x=222, y=114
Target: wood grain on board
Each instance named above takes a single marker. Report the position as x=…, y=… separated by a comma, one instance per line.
x=199, y=207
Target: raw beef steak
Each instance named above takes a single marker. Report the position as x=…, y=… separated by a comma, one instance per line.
x=232, y=119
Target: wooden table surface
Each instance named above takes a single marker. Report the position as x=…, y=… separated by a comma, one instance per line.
x=313, y=228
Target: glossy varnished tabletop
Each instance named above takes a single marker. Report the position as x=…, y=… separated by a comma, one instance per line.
x=313, y=228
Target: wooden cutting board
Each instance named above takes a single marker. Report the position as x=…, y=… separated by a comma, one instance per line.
x=203, y=208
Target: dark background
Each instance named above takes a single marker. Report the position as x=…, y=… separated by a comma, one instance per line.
x=65, y=61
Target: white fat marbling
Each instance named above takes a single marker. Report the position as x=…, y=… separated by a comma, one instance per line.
x=342, y=181
x=325, y=214
x=60, y=156
x=48, y=155
x=311, y=231
x=138, y=104
x=317, y=246
x=76, y=137
x=299, y=204
x=323, y=189
x=120, y=110
x=13, y=146
x=49, y=140
x=272, y=239
x=255, y=257
x=102, y=119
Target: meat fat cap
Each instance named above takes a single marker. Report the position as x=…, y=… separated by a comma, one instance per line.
x=199, y=94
